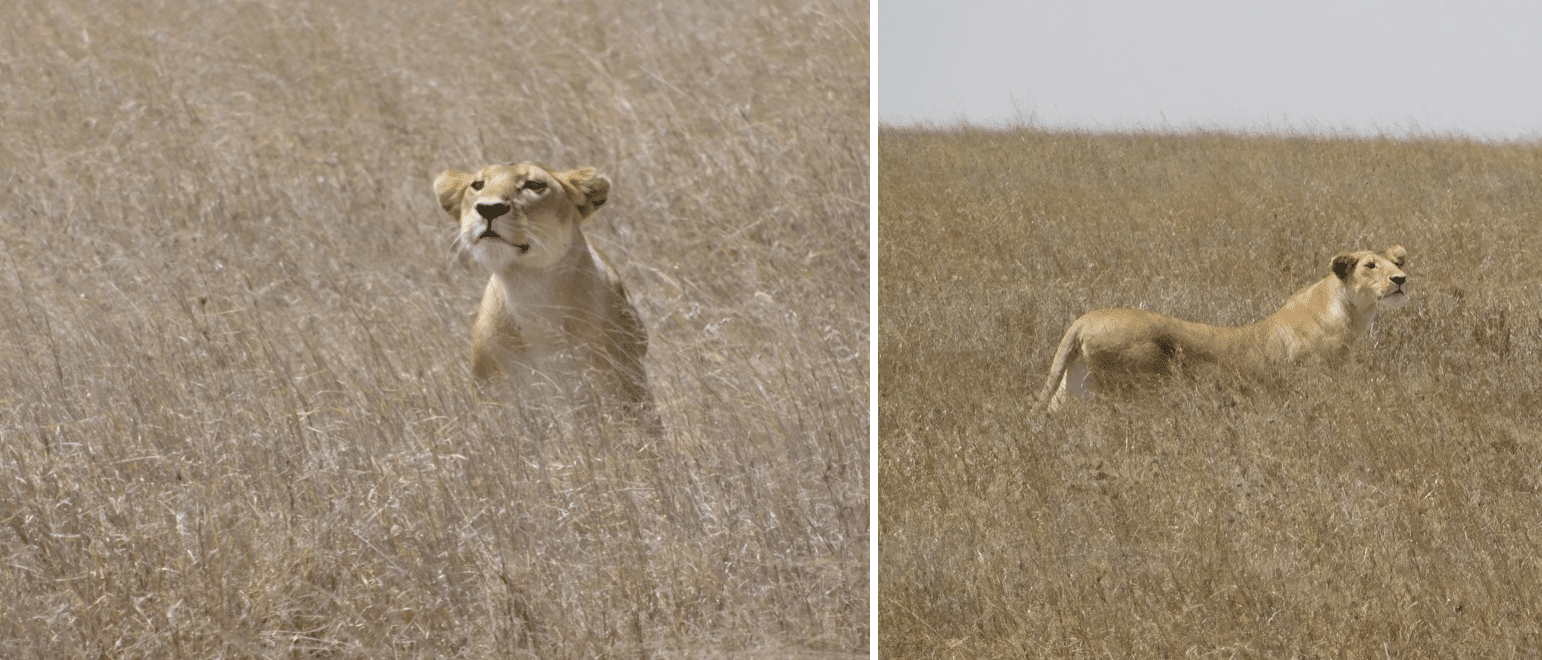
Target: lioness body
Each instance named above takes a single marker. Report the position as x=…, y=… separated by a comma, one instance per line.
x=1109, y=349
x=555, y=314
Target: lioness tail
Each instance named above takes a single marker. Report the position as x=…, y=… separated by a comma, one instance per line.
x=1069, y=353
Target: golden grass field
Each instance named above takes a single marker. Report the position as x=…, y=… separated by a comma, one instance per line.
x=1388, y=510
x=236, y=417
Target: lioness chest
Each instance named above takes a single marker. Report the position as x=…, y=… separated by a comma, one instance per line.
x=530, y=328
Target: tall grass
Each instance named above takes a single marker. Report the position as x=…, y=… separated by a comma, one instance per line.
x=235, y=408
x=1385, y=510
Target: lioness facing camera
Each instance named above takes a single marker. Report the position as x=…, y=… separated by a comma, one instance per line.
x=1113, y=348
x=555, y=313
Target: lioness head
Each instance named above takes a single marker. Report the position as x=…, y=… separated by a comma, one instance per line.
x=1371, y=278
x=520, y=215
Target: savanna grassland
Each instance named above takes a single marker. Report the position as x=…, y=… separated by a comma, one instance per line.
x=1388, y=510
x=236, y=418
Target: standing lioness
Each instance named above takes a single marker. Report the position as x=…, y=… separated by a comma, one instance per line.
x=1112, y=348
x=555, y=315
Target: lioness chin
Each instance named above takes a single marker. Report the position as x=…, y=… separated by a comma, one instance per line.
x=1113, y=349
x=554, y=318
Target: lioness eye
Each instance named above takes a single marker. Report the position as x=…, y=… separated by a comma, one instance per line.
x=1370, y=265
x=477, y=185
x=535, y=185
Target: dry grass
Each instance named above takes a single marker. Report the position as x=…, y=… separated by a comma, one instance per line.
x=235, y=413
x=1389, y=510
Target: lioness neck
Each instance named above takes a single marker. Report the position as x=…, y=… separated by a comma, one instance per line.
x=543, y=301
x=1325, y=306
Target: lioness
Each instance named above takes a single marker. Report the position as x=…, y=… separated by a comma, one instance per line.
x=1113, y=348
x=555, y=313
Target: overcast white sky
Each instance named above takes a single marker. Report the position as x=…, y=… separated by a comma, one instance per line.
x=1467, y=66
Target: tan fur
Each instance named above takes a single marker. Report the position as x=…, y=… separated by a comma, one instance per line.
x=555, y=314
x=1113, y=349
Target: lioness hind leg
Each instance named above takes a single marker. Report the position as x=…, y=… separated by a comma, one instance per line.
x=1074, y=382
x=1077, y=380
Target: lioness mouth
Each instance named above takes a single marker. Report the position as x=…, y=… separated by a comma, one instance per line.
x=523, y=247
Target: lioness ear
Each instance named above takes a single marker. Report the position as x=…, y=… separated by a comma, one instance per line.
x=1344, y=264
x=591, y=188
x=449, y=187
x=1398, y=255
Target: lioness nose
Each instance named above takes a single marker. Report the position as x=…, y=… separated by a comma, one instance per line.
x=1399, y=280
x=490, y=211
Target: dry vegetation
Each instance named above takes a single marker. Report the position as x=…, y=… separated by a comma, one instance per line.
x=1385, y=511
x=235, y=411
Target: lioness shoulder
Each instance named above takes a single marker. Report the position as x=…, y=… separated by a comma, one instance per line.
x=555, y=313
x=1113, y=349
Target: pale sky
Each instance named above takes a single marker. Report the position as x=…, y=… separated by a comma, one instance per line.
x=1472, y=67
